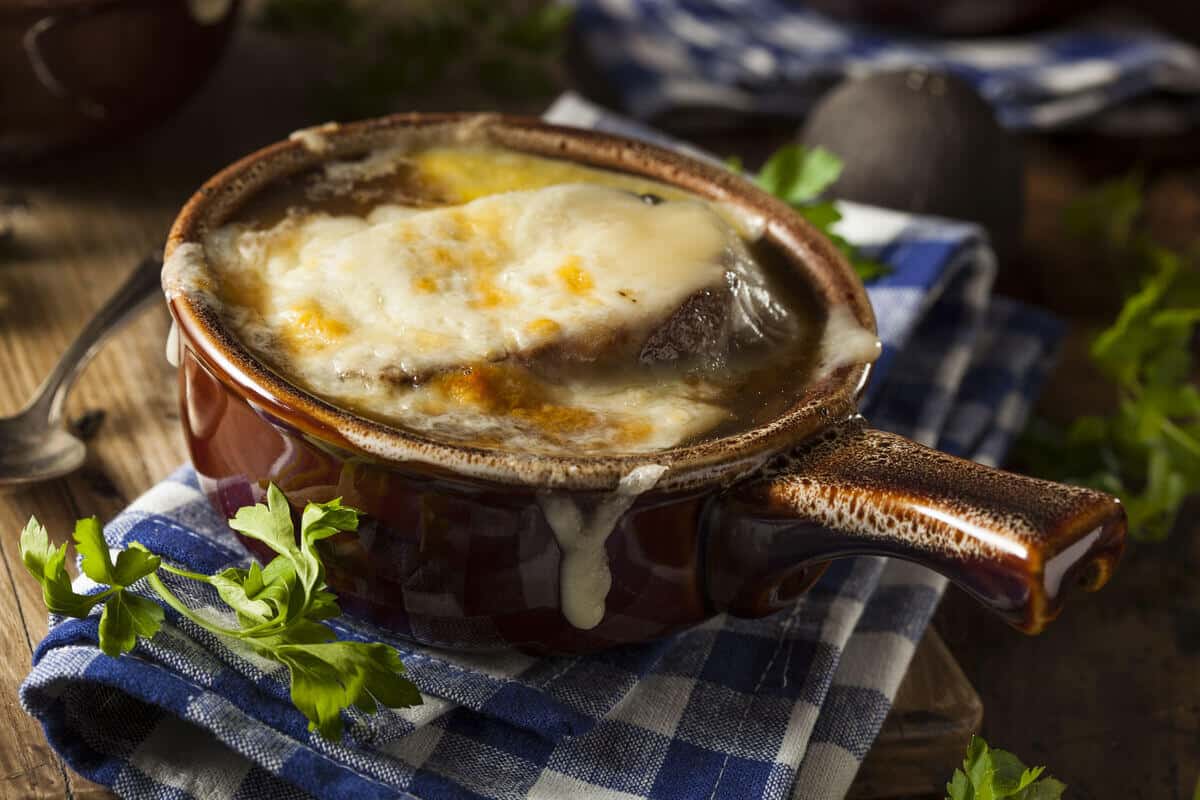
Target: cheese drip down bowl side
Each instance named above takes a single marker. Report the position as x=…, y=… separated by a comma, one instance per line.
x=479, y=548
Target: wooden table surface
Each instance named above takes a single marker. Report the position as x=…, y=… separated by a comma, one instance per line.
x=1109, y=697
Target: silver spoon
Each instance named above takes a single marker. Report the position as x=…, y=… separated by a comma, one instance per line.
x=35, y=444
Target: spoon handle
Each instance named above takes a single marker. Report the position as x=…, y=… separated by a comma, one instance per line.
x=139, y=287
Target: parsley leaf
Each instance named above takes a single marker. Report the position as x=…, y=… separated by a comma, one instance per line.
x=988, y=774
x=47, y=564
x=798, y=175
x=293, y=583
x=131, y=565
x=328, y=677
x=1147, y=451
x=127, y=616
x=824, y=216
x=270, y=524
x=240, y=589
x=279, y=607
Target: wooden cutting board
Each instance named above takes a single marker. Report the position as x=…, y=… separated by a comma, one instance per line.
x=925, y=736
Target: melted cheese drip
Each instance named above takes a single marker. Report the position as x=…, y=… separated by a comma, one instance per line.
x=845, y=341
x=316, y=138
x=174, y=345
x=584, y=578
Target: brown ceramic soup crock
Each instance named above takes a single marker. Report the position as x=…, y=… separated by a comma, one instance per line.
x=456, y=550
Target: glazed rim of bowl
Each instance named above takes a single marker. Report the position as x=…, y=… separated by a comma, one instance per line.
x=717, y=461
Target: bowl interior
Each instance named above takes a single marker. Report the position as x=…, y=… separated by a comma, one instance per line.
x=716, y=461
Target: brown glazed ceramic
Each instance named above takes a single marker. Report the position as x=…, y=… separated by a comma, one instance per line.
x=456, y=550
x=75, y=70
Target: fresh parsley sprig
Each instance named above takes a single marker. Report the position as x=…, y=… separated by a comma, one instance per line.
x=988, y=774
x=279, y=608
x=126, y=615
x=1147, y=451
x=798, y=175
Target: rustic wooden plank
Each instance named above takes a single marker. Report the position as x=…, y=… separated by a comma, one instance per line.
x=78, y=225
x=28, y=767
x=70, y=251
x=924, y=736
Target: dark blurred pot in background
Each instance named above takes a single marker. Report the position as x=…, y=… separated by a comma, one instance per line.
x=73, y=71
x=953, y=17
x=923, y=142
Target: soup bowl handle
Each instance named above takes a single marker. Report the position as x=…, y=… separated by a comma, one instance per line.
x=1015, y=543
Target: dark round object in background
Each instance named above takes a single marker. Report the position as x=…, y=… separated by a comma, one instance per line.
x=73, y=71
x=923, y=142
x=953, y=17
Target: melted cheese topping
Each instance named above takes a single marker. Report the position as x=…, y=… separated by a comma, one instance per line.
x=462, y=174
x=500, y=405
x=505, y=300
x=409, y=293
x=415, y=314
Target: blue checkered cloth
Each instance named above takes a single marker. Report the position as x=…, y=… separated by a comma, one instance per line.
x=777, y=57
x=780, y=707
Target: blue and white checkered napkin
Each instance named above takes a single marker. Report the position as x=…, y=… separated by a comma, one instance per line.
x=777, y=57
x=780, y=707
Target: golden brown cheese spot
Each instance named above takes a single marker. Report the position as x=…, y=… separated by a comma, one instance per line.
x=543, y=327
x=426, y=284
x=576, y=278
x=308, y=327
x=495, y=388
x=486, y=225
x=462, y=174
x=558, y=421
x=459, y=228
x=424, y=338
x=633, y=431
x=514, y=392
x=244, y=288
x=442, y=257
x=481, y=258
x=470, y=387
x=472, y=243
x=488, y=294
